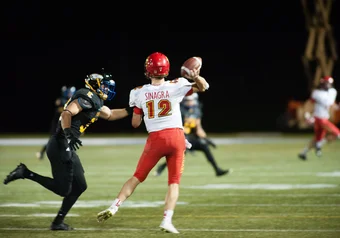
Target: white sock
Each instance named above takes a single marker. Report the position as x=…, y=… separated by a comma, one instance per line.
x=320, y=143
x=168, y=215
x=116, y=204
x=305, y=150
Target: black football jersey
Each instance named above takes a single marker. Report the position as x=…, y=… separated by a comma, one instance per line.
x=87, y=116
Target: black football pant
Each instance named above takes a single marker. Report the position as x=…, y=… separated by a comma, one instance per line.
x=68, y=174
x=67, y=170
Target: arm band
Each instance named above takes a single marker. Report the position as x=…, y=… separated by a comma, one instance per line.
x=109, y=115
x=65, y=110
x=129, y=110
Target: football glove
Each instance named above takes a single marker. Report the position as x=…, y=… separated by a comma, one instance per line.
x=188, y=145
x=73, y=141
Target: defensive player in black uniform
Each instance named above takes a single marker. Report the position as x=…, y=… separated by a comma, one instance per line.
x=66, y=94
x=83, y=109
x=191, y=110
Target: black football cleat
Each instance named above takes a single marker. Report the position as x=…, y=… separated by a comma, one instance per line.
x=302, y=156
x=60, y=227
x=17, y=173
x=222, y=172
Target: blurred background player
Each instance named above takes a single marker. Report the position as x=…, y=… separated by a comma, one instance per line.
x=323, y=98
x=191, y=109
x=66, y=94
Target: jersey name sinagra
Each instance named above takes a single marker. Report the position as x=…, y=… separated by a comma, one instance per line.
x=157, y=95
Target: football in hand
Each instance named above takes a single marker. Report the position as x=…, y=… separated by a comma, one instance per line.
x=194, y=62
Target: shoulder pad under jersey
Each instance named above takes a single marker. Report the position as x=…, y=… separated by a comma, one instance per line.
x=133, y=96
x=138, y=87
x=183, y=81
x=89, y=96
x=179, y=82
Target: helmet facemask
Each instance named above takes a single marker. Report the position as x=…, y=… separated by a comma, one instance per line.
x=102, y=85
x=108, y=88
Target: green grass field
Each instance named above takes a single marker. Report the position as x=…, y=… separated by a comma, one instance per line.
x=271, y=193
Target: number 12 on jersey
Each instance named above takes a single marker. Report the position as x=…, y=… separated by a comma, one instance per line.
x=164, y=105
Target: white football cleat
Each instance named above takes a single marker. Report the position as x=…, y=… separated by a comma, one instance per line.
x=38, y=155
x=156, y=174
x=168, y=227
x=106, y=214
x=318, y=152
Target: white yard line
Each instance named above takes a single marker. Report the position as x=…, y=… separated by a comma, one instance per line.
x=145, y=204
x=254, y=195
x=184, y=229
x=37, y=215
x=240, y=173
x=141, y=141
x=263, y=205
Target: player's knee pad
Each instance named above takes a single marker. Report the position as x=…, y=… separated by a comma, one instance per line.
x=78, y=189
x=65, y=190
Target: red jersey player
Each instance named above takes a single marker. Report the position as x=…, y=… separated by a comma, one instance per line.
x=158, y=104
x=323, y=97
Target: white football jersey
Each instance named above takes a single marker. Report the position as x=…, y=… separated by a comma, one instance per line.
x=161, y=104
x=323, y=100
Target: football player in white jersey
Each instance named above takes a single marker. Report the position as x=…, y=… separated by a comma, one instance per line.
x=158, y=104
x=323, y=97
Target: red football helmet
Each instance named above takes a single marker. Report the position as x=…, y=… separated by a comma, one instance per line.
x=327, y=79
x=157, y=65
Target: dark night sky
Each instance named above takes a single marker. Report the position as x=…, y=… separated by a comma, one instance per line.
x=251, y=57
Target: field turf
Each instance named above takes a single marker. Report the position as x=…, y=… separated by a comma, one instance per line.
x=270, y=194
